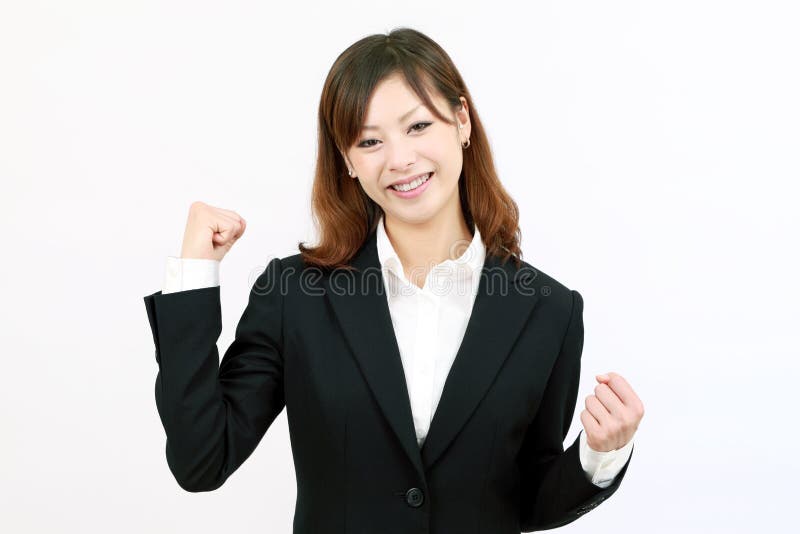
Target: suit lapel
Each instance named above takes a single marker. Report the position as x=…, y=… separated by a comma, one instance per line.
x=361, y=306
x=498, y=316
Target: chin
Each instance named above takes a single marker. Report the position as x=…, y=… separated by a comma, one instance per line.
x=418, y=215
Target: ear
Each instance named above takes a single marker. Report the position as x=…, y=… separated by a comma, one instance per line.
x=462, y=116
x=346, y=161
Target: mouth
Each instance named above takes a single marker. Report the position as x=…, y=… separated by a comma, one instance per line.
x=413, y=184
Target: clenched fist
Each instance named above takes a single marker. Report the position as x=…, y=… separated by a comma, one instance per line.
x=612, y=414
x=210, y=232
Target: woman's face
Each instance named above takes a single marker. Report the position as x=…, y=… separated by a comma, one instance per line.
x=407, y=140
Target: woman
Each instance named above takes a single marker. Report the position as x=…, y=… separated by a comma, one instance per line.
x=439, y=406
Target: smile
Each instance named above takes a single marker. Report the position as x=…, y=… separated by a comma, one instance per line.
x=412, y=185
x=413, y=189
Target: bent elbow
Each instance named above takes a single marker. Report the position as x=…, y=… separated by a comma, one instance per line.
x=195, y=475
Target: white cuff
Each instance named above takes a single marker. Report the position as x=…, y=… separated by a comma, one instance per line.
x=183, y=274
x=602, y=467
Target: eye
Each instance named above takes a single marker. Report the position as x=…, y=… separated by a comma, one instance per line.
x=423, y=124
x=414, y=127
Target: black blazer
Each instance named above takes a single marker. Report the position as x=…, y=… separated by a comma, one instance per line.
x=322, y=345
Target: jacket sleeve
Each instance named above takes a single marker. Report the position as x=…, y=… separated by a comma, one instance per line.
x=555, y=489
x=215, y=413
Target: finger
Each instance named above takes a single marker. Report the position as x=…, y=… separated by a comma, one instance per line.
x=227, y=232
x=227, y=226
x=238, y=226
x=217, y=217
x=622, y=389
x=229, y=213
x=590, y=424
x=609, y=399
x=599, y=411
x=237, y=230
x=232, y=215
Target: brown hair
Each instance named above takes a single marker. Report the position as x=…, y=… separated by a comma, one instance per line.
x=344, y=215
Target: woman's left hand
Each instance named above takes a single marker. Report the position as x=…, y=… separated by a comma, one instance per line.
x=612, y=414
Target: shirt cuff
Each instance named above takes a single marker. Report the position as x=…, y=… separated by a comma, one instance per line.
x=602, y=467
x=183, y=274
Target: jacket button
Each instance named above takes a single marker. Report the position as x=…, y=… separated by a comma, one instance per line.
x=414, y=497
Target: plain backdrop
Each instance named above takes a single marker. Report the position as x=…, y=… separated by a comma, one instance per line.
x=652, y=148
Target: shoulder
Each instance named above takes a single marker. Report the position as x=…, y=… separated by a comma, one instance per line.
x=559, y=306
x=279, y=276
x=553, y=294
x=298, y=277
x=292, y=263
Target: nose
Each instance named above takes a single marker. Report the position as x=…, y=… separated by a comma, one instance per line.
x=400, y=155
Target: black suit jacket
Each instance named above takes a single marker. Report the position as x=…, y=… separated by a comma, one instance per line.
x=322, y=345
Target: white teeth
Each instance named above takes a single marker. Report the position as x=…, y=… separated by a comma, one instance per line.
x=412, y=185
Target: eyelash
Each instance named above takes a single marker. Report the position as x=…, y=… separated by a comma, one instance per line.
x=362, y=145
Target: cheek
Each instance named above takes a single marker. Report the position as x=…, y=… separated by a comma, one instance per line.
x=369, y=166
x=449, y=164
x=372, y=186
x=445, y=152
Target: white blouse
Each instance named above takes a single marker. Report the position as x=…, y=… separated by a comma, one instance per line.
x=429, y=324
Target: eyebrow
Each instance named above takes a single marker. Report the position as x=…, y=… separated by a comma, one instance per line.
x=401, y=119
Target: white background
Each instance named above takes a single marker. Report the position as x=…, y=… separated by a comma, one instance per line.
x=652, y=148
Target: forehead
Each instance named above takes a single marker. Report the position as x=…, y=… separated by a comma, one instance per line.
x=394, y=100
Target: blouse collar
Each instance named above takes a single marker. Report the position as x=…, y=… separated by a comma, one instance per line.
x=468, y=264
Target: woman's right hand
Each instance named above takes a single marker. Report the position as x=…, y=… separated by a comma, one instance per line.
x=210, y=232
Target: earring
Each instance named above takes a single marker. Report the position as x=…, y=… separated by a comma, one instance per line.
x=350, y=172
x=461, y=126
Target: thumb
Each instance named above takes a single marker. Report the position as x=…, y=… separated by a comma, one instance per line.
x=224, y=238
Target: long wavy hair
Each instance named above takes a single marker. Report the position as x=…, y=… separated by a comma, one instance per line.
x=345, y=216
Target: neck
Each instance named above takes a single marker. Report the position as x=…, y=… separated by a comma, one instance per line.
x=421, y=246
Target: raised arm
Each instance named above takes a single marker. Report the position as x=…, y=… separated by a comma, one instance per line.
x=215, y=413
